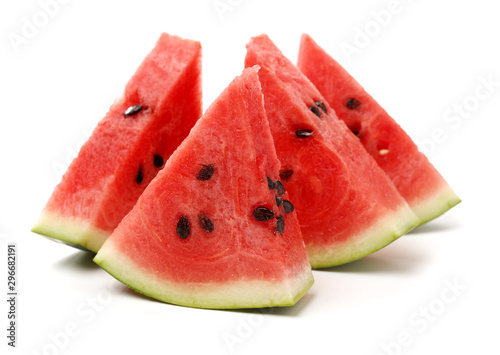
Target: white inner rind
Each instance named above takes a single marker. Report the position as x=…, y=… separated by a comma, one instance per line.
x=380, y=234
x=436, y=204
x=230, y=295
x=70, y=231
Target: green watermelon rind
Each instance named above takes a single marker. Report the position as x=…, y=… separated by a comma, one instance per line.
x=70, y=231
x=234, y=295
x=385, y=231
x=436, y=204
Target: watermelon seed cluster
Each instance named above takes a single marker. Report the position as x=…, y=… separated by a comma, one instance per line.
x=183, y=228
x=158, y=162
x=280, y=190
x=321, y=105
x=205, y=173
x=265, y=214
x=315, y=109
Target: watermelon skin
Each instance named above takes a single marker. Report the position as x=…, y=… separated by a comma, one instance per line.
x=347, y=207
x=242, y=263
x=415, y=177
x=100, y=186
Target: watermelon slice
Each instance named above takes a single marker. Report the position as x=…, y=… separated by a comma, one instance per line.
x=415, y=177
x=215, y=229
x=161, y=103
x=347, y=207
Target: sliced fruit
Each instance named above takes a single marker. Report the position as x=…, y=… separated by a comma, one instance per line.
x=161, y=103
x=208, y=231
x=346, y=205
x=415, y=177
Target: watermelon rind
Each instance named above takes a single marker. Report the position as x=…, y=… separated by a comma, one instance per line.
x=117, y=162
x=414, y=176
x=436, y=204
x=380, y=234
x=70, y=231
x=234, y=295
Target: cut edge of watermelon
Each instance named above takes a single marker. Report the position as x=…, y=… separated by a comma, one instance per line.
x=435, y=204
x=70, y=231
x=371, y=240
x=249, y=294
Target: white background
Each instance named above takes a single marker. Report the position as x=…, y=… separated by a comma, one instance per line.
x=426, y=59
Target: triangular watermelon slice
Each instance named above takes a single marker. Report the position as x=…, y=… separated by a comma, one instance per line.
x=347, y=207
x=415, y=177
x=214, y=229
x=161, y=103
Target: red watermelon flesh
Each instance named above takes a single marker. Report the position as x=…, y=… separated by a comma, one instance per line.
x=415, y=177
x=193, y=237
x=347, y=207
x=127, y=149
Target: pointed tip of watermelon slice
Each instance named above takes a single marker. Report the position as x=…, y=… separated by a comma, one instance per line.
x=437, y=204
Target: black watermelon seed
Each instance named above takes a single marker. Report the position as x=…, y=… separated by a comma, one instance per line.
x=321, y=105
x=158, y=160
x=279, y=201
x=183, y=227
x=205, y=223
x=356, y=133
x=288, y=206
x=280, y=224
x=352, y=103
x=285, y=175
x=263, y=214
x=280, y=189
x=132, y=110
x=315, y=110
x=139, y=178
x=270, y=183
x=205, y=172
x=303, y=133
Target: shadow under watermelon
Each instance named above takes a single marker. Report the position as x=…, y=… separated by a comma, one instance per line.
x=403, y=256
x=81, y=260
x=292, y=311
x=442, y=224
